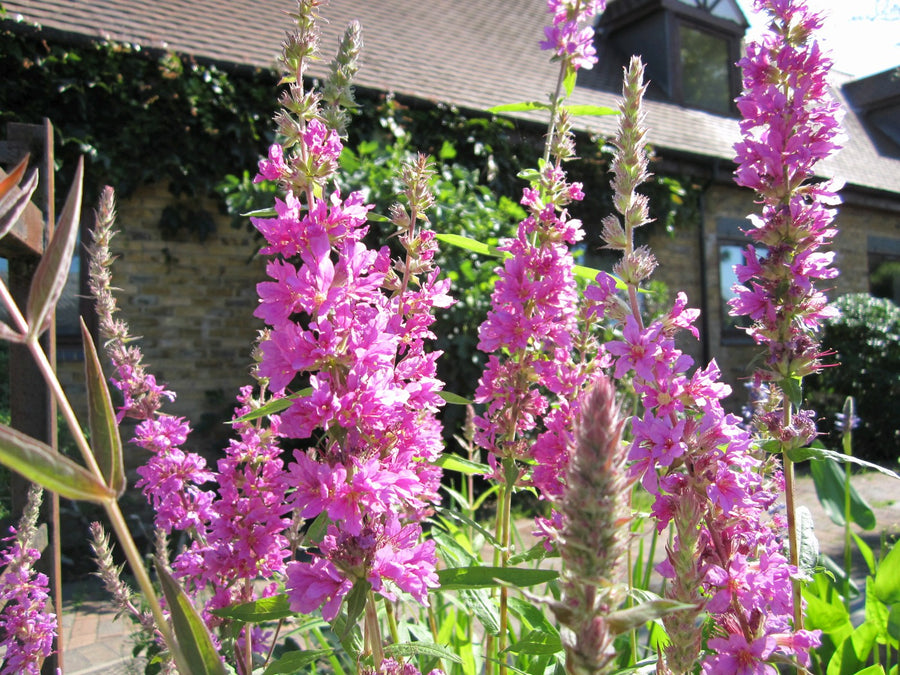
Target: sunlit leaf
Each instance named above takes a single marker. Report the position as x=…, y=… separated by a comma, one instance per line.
x=406, y=649
x=273, y=407
x=591, y=110
x=808, y=544
x=40, y=464
x=816, y=452
x=53, y=270
x=486, y=577
x=190, y=630
x=626, y=619
x=265, y=609
x=294, y=662
x=887, y=577
x=106, y=443
x=524, y=106
x=454, y=399
x=456, y=463
x=473, y=245
x=537, y=642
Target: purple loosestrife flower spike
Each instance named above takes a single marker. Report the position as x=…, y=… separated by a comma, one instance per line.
x=351, y=326
x=27, y=630
x=790, y=122
x=725, y=558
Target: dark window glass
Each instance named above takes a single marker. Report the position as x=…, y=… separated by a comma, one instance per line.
x=705, y=70
x=884, y=276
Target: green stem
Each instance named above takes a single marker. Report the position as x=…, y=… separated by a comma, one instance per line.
x=117, y=520
x=373, y=631
x=791, y=509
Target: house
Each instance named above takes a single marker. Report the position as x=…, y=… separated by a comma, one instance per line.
x=474, y=54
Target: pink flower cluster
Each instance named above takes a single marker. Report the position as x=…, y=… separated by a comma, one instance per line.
x=567, y=37
x=790, y=123
x=27, y=631
x=698, y=462
x=348, y=337
x=533, y=321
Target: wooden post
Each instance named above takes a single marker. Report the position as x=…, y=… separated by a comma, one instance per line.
x=32, y=408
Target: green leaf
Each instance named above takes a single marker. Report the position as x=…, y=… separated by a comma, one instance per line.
x=853, y=652
x=827, y=614
x=830, y=481
x=590, y=110
x=536, y=552
x=294, y=662
x=480, y=603
x=793, y=388
x=447, y=151
x=462, y=465
x=537, y=642
x=106, y=443
x=454, y=399
x=53, y=269
x=269, y=212
x=464, y=519
x=40, y=464
x=817, y=452
x=272, y=608
x=524, y=106
x=808, y=545
x=190, y=630
x=569, y=81
x=273, y=407
x=355, y=604
x=893, y=623
x=876, y=611
x=866, y=552
x=473, y=245
x=405, y=650
x=487, y=577
x=624, y=620
x=887, y=577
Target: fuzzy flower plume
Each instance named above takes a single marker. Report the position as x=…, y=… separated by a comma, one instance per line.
x=346, y=342
x=27, y=630
x=143, y=396
x=726, y=557
x=592, y=542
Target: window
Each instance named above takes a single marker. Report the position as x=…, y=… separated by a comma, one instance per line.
x=705, y=70
x=731, y=244
x=884, y=268
x=690, y=47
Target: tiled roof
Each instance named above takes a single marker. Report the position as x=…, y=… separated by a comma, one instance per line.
x=470, y=53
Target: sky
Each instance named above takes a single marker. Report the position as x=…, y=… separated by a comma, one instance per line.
x=863, y=35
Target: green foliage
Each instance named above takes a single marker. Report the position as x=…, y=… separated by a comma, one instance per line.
x=138, y=116
x=866, y=341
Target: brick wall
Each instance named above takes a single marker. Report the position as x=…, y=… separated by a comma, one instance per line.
x=190, y=301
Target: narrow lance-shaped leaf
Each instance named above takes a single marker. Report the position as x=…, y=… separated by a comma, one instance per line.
x=296, y=661
x=831, y=482
x=265, y=609
x=273, y=407
x=53, y=270
x=13, y=202
x=485, y=577
x=190, y=630
x=524, y=106
x=40, y=464
x=106, y=442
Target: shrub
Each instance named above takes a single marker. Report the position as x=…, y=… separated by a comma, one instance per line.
x=865, y=338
